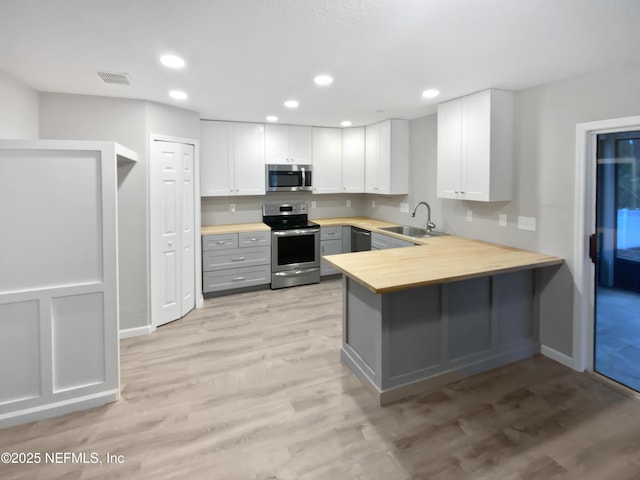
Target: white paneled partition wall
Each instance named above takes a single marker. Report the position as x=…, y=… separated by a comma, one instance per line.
x=58, y=277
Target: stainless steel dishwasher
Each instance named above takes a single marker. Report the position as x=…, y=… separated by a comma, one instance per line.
x=360, y=240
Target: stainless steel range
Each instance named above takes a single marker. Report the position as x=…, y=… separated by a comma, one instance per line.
x=295, y=245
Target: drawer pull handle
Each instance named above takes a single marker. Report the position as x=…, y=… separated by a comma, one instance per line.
x=220, y=242
x=331, y=233
x=238, y=279
x=237, y=259
x=255, y=239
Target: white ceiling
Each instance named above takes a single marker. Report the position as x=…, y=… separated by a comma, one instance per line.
x=245, y=57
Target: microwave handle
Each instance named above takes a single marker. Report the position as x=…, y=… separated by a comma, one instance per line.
x=304, y=177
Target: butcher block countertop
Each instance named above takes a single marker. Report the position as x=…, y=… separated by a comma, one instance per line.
x=435, y=260
x=442, y=259
x=234, y=228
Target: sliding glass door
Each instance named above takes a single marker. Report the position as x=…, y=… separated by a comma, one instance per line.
x=617, y=255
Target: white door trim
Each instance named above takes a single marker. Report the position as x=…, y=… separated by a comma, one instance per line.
x=585, y=205
x=196, y=211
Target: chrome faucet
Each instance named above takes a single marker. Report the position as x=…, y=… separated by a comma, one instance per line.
x=430, y=224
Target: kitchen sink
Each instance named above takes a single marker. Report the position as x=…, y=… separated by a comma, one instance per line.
x=410, y=231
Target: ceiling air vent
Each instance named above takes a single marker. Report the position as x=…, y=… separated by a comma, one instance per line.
x=116, y=78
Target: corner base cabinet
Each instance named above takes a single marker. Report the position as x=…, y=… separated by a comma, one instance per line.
x=475, y=147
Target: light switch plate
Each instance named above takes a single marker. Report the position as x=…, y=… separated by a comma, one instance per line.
x=527, y=223
x=313, y=204
x=502, y=220
x=469, y=215
x=373, y=203
x=232, y=207
x=404, y=207
x=348, y=202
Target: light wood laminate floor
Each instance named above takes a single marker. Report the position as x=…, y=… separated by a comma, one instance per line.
x=251, y=387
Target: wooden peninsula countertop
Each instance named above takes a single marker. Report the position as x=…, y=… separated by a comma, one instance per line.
x=442, y=259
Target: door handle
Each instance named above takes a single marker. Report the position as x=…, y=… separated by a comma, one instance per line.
x=593, y=247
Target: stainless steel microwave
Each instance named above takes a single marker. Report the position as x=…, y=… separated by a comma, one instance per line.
x=289, y=178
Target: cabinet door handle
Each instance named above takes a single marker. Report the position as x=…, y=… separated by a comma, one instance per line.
x=237, y=259
x=238, y=279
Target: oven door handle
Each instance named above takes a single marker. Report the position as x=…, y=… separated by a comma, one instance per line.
x=302, y=231
x=294, y=273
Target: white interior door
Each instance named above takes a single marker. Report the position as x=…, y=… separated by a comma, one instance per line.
x=172, y=231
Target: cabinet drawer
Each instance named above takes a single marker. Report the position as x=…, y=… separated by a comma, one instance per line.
x=236, y=278
x=220, y=241
x=379, y=241
x=329, y=247
x=254, y=239
x=237, y=257
x=330, y=233
x=397, y=242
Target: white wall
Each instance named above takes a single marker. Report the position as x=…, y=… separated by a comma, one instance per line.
x=129, y=122
x=545, y=126
x=18, y=109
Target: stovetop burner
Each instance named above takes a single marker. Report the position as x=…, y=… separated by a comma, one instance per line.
x=286, y=217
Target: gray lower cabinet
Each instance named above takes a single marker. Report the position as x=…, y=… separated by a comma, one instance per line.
x=330, y=244
x=237, y=260
x=382, y=242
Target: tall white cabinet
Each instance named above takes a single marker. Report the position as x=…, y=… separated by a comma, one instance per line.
x=231, y=159
x=353, y=160
x=59, y=341
x=475, y=147
x=387, y=157
x=327, y=160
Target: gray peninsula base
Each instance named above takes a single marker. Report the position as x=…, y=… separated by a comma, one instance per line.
x=415, y=340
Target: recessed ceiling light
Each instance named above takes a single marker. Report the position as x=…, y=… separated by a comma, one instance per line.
x=272, y=118
x=172, y=61
x=430, y=93
x=323, y=80
x=291, y=104
x=178, y=94
x=345, y=123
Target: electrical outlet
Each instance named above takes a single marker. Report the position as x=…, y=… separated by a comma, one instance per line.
x=232, y=207
x=348, y=202
x=313, y=204
x=404, y=208
x=373, y=203
x=527, y=223
x=502, y=220
x=469, y=215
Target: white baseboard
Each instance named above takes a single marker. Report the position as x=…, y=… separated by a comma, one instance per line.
x=137, y=331
x=557, y=356
x=57, y=409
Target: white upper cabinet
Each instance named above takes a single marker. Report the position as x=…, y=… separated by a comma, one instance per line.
x=352, y=160
x=231, y=159
x=286, y=144
x=327, y=160
x=387, y=157
x=475, y=147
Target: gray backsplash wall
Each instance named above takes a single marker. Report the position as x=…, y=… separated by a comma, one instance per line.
x=217, y=211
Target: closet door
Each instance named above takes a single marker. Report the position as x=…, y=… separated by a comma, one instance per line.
x=172, y=231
